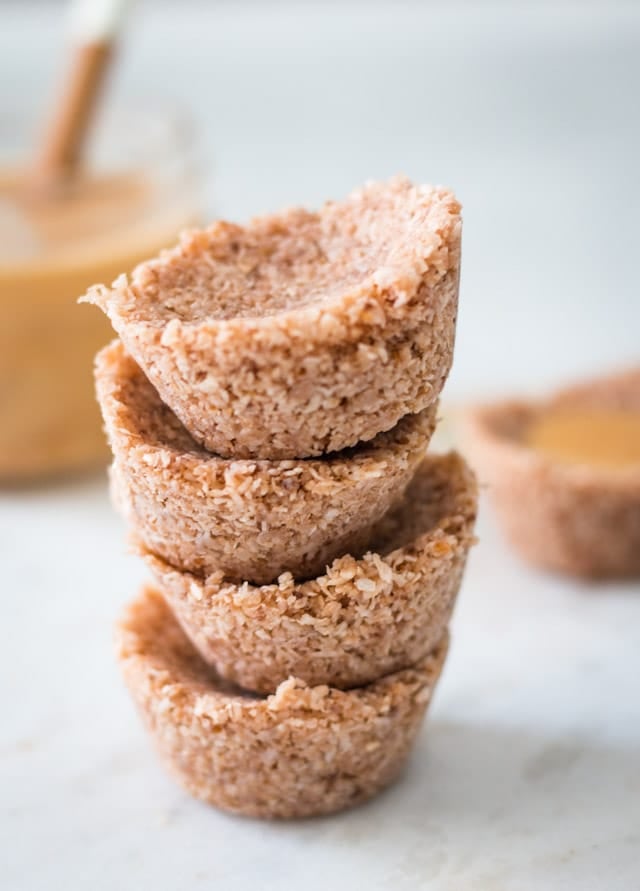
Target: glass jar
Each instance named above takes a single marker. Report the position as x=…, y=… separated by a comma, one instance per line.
x=140, y=188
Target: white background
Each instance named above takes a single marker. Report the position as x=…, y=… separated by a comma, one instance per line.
x=527, y=775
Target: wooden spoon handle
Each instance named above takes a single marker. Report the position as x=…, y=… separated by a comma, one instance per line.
x=95, y=25
x=64, y=139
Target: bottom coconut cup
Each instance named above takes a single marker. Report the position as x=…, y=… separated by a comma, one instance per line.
x=366, y=616
x=580, y=517
x=300, y=752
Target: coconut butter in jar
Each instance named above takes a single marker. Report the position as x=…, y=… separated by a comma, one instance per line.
x=132, y=197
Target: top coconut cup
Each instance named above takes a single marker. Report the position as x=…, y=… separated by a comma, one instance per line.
x=575, y=518
x=301, y=333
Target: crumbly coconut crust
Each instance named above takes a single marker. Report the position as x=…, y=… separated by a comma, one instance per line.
x=299, y=752
x=248, y=520
x=302, y=333
x=366, y=617
x=577, y=519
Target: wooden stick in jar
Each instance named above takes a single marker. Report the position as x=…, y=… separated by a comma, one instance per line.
x=95, y=25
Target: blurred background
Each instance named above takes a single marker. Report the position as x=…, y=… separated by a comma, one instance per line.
x=528, y=110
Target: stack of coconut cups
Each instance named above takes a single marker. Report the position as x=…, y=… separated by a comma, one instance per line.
x=269, y=404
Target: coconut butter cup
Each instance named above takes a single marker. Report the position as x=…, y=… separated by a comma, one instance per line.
x=302, y=333
x=366, y=616
x=576, y=518
x=249, y=520
x=299, y=752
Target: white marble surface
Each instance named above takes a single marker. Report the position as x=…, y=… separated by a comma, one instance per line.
x=527, y=774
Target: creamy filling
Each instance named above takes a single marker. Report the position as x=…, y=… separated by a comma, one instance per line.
x=596, y=436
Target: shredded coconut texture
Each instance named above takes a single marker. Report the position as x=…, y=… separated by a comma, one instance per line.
x=302, y=333
x=247, y=520
x=580, y=520
x=365, y=617
x=303, y=751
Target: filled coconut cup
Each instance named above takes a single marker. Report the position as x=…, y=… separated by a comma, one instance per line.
x=302, y=333
x=300, y=752
x=366, y=616
x=572, y=517
x=249, y=520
